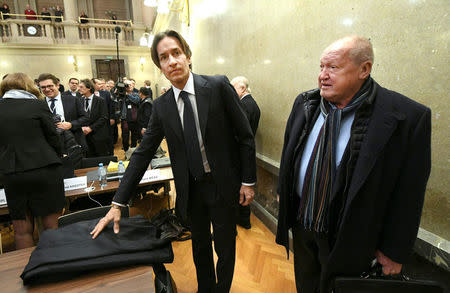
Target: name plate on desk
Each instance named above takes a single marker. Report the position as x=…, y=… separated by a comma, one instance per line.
x=151, y=175
x=75, y=183
x=2, y=197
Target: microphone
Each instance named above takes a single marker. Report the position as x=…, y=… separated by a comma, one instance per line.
x=117, y=29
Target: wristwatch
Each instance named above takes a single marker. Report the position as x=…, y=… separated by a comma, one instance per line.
x=115, y=206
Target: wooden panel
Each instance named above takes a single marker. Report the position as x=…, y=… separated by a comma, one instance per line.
x=103, y=9
x=108, y=69
x=50, y=4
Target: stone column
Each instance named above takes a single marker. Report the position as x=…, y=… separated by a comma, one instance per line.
x=137, y=6
x=71, y=21
x=70, y=11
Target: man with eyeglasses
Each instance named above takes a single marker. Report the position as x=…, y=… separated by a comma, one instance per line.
x=69, y=108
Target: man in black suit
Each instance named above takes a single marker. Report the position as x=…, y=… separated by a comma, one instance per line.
x=253, y=113
x=96, y=132
x=355, y=164
x=212, y=151
x=99, y=85
x=70, y=108
x=73, y=88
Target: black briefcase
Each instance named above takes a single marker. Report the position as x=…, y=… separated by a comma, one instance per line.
x=375, y=282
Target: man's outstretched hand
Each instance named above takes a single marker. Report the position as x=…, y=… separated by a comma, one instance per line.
x=113, y=215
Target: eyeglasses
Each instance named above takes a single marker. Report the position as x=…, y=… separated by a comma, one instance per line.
x=47, y=86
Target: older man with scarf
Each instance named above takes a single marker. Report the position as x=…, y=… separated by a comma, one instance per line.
x=354, y=167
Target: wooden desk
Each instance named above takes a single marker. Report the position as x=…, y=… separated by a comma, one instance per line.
x=166, y=174
x=131, y=279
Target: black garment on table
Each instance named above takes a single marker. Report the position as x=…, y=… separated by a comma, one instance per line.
x=70, y=251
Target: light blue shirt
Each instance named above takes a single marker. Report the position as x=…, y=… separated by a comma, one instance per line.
x=342, y=141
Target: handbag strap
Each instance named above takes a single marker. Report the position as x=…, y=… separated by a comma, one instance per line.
x=376, y=271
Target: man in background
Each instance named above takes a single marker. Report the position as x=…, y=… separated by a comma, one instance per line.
x=253, y=113
x=73, y=88
x=69, y=108
x=99, y=85
x=129, y=108
x=145, y=109
x=96, y=131
x=355, y=164
x=148, y=85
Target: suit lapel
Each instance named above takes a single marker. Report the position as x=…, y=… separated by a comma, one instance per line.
x=203, y=98
x=379, y=132
x=172, y=113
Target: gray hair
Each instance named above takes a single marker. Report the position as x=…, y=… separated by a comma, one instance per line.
x=241, y=80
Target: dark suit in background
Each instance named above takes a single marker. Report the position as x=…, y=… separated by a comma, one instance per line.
x=230, y=151
x=68, y=92
x=98, y=139
x=75, y=114
x=253, y=113
x=106, y=95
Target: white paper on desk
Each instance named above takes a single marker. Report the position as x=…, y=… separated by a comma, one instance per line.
x=151, y=175
x=75, y=183
x=2, y=197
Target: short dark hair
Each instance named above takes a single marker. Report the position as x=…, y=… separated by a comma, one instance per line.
x=45, y=76
x=88, y=84
x=72, y=78
x=169, y=33
x=143, y=90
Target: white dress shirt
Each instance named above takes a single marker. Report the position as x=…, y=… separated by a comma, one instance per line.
x=189, y=88
x=58, y=106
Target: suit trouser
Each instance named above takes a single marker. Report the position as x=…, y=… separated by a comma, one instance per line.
x=206, y=207
x=127, y=127
x=97, y=148
x=311, y=253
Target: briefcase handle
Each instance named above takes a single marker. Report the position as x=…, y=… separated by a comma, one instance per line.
x=376, y=271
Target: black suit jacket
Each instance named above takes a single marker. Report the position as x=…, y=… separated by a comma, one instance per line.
x=75, y=114
x=252, y=111
x=106, y=95
x=28, y=138
x=386, y=193
x=227, y=137
x=98, y=120
x=68, y=92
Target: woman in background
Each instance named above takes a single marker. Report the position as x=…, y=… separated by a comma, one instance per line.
x=29, y=158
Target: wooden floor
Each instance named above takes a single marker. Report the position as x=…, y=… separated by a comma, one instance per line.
x=261, y=265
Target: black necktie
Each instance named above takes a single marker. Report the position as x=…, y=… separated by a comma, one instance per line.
x=194, y=156
x=86, y=104
x=53, y=106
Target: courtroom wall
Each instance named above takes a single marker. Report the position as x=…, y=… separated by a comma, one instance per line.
x=277, y=46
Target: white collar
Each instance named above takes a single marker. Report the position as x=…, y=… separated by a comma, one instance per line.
x=90, y=97
x=244, y=96
x=188, y=87
x=57, y=97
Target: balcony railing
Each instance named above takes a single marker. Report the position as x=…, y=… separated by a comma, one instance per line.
x=95, y=32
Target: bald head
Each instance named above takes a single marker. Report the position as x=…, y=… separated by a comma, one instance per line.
x=344, y=66
x=357, y=48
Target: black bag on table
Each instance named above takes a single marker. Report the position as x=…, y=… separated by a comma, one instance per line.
x=375, y=282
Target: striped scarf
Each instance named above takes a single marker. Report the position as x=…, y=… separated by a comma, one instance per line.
x=321, y=171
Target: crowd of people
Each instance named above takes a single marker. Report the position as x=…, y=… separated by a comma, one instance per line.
x=354, y=166
x=85, y=115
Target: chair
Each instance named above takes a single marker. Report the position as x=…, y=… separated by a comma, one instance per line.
x=88, y=214
x=94, y=161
